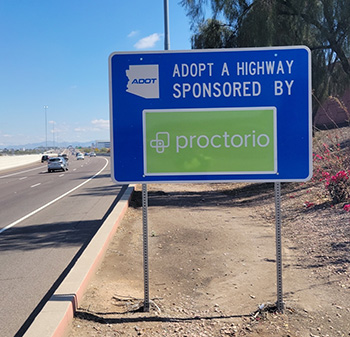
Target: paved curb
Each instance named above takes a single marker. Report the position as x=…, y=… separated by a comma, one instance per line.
x=57, y=314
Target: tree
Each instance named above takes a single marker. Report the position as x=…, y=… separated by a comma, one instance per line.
x=213, y=34
x=322, y=25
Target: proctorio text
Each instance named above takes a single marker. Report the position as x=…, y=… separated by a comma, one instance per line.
x=222, y=140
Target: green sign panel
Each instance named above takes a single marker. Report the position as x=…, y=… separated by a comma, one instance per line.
x=210, y=141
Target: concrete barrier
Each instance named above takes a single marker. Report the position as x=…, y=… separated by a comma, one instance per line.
x=7, y=162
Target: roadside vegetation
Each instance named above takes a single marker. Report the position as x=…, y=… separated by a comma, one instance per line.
x=6, y=152
x=323, y=26
x=96, y=150
x=316, y=213
x=12, y=152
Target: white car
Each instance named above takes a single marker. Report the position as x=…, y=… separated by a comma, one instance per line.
x=80, y=156
x=57, y=164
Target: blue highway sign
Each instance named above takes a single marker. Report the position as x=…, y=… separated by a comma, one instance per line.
x=211, y=115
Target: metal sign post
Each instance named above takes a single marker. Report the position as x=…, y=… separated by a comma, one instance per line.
x=144, y=189
x=280, y=304
x=145, y=247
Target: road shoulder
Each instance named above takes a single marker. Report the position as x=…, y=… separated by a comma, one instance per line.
x=59, y=310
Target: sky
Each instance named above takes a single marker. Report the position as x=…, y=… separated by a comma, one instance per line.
x=54, y=54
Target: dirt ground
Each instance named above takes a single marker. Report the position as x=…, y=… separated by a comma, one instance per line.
x=213, y=270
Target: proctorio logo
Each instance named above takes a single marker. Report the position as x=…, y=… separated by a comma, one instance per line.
x=202, y=141
x=160, y=142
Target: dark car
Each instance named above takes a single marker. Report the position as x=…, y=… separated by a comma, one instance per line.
x=64, y=155
x=44, y=158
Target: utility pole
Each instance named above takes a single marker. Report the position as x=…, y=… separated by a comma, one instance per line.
x=46, y=107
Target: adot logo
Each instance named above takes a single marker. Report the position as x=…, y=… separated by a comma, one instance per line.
x=143, y=80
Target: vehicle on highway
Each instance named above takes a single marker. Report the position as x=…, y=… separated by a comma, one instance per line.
x=92, y=154
x=80, y=156
x=64, y=155
x=57, y=164
x=44, y=158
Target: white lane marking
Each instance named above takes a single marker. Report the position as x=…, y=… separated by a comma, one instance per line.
x=23, y=178
x=13, y=174
x=74, y=169
x=52, y=201
x=61, y=175
x=35, y=185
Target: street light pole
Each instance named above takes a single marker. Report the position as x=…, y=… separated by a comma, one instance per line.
x=166, y=26
x=46, y=107
x=53, y=134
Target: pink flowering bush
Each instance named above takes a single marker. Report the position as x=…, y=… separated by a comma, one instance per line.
x=331, y=162
x=338, y=186
x=347, y=207
x=308, y=204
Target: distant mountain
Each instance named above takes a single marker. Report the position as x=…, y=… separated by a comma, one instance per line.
x=49, y=144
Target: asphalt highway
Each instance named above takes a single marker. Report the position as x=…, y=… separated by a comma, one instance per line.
x=47, y=219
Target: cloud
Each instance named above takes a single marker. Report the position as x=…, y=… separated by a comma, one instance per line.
x=80, y=129
x=5, y=135
x=97, y=125
x=133, y=33
x=101, y=124
x=148, y=41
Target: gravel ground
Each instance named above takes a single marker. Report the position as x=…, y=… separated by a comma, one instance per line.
x=213, y=265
